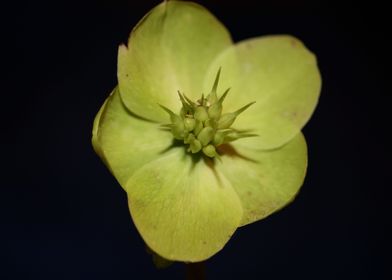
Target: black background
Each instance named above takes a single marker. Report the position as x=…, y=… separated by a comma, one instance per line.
x=63, y=216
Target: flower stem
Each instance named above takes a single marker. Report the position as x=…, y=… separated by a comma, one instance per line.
x=195, y=271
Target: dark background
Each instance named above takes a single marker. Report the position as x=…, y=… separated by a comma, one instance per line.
x=63, y=216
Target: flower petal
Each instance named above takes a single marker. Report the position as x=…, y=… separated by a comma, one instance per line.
x=95, y=132
x=183, y=208
x=277, y=72
x=128, y=142
x=169, y=50
x=265, y=180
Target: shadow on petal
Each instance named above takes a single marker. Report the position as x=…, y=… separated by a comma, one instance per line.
x=210, y=163
x=132, y=114
x=230, y=151
x=175, y=144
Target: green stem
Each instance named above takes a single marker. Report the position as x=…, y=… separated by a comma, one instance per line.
x=195, y=271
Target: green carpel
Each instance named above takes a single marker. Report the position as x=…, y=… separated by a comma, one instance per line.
x=201, y=125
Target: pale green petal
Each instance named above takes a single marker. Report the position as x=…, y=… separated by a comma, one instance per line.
x=183, y=208
x=128, y=142
x=265, y=180
x=169, y=50
x=277, y=72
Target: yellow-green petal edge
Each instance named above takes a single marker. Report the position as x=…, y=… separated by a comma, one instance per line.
x=183, y=208
x=277, y=72
x=95, y=131
x=169, y=50
x=264, y=180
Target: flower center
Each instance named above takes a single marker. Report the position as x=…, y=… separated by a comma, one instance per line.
x=202, y=126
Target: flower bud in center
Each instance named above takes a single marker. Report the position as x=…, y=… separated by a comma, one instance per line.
x=202, y=126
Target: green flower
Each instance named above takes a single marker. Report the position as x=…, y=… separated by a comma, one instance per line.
x=196, y=167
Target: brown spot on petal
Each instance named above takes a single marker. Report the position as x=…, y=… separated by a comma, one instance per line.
x=293, y=42
x=249, y=46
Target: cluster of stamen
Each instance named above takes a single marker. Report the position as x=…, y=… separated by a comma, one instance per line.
x=201, y=124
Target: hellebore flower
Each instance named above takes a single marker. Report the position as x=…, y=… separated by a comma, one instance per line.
x=198, y=166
